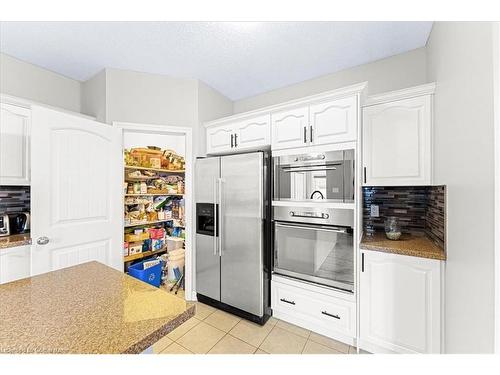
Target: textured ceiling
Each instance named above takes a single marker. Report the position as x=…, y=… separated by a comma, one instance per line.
x=239, y=59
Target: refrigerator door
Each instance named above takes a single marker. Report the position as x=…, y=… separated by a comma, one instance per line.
x=207, y=252
x=241, y=231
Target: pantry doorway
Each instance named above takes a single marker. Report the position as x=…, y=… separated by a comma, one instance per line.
x=157, y=191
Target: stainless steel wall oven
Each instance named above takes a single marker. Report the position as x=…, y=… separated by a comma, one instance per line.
x=315, y=244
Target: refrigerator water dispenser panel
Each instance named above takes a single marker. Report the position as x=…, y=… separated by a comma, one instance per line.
x=205, y=219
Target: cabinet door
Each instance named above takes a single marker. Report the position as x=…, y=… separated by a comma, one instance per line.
x=290, y=128
x=15, y=264
x=397, y=142
x=14, y=145
x=334, y=121
x=400, y=303
x=254, y=132
x=219, y=139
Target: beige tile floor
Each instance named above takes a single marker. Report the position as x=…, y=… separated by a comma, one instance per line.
x=214, y=331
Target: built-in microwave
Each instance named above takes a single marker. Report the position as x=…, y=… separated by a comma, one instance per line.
x=327, y=176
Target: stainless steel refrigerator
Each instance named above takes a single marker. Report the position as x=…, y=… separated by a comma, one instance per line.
x=233, y=252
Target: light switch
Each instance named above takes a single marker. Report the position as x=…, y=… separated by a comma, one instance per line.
x=374, y=210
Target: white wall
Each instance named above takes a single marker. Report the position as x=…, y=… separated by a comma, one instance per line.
x=150, y=98
x=211, y=105
x=460, y=61
x=396, y=72
x=93, y=96
x=28, y=81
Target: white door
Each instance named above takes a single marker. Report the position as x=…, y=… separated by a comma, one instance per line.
x=254, y=132
x=76, y=191
x=334, y=121
x=399, y=303
x=14, y=145
x=290, y=128
x=397, y=142
x=220, y=139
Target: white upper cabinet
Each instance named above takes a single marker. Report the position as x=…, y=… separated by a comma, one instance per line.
x=326, y=118
x=400, y=303
x=232, y=136
x=397, y=142
x=15, y=123
x=290, y=128
x=334, y=121
x=253, y=132
x=220, y=138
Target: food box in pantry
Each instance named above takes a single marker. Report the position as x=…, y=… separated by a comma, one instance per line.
x=157, y=244
x=157, y=233
x=125, y=249
x=131, y=237
x=135, y=248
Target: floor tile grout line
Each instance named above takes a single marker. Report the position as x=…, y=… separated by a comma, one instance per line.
x=187, y=330
x=237, y=338
x=259, y=347
x=225, y=334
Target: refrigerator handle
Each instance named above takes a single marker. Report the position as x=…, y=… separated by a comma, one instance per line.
x=221, y=208
x=215, y=216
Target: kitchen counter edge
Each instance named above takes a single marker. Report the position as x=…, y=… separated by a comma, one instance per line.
x=424, y=248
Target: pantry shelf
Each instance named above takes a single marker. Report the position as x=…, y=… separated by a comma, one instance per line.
x=155, y=169
x=154, y=195
x=144, y=254
x=147, y=223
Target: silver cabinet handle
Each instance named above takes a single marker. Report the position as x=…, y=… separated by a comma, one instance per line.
x=305, y=134
x=232, y=135
x=235, y=140
x=287, y=301
x=42, y=240
x=310, y=133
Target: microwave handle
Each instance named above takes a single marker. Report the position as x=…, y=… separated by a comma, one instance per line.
x=312, y=227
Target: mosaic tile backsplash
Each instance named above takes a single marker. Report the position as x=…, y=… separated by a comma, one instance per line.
x=14, y=199
x=420, y=209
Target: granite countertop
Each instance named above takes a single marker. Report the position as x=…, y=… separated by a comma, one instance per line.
x=15, y=240
x=417, y=246
x=89, y=308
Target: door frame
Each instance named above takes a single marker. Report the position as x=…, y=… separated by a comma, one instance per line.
x=189, y=285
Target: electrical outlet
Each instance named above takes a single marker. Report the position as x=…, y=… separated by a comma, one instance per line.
x=374, y=210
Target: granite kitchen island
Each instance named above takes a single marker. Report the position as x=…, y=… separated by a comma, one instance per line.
x=89, y=308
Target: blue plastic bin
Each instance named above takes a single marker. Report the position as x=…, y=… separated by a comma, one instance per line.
x=152, y=275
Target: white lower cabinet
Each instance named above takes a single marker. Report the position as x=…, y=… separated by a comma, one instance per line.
x=15, y=263
x=400, y=304
x=316, y=308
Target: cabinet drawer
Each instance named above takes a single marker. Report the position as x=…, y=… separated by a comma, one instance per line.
x=320, y=312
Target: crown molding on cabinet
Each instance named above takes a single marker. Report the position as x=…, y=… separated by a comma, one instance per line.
x=407, y=93
x=316, y=98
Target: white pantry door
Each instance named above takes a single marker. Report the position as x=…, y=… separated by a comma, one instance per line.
x=76, y=186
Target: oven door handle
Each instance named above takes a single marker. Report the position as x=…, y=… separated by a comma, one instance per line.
x=310, y=170
x=320, y=228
